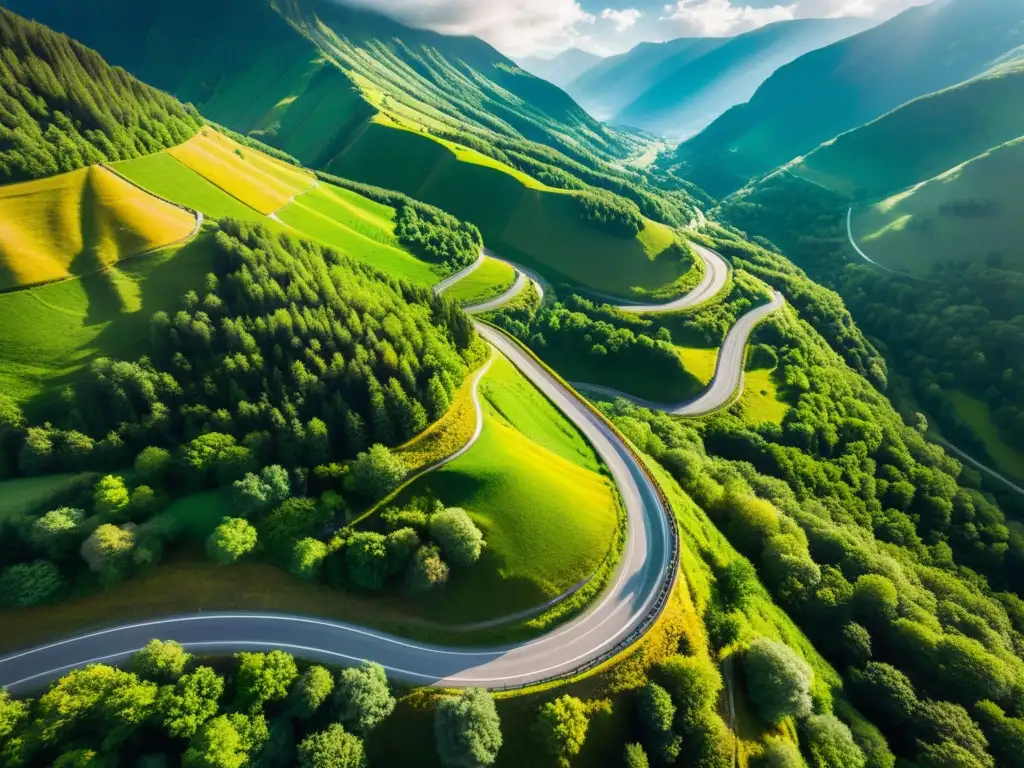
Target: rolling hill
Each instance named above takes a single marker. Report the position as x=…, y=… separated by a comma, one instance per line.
x=848, y=83
x=685, y=92
x=563, y=68
x=78, y=223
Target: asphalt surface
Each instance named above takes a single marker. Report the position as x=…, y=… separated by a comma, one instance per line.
x=643, y=570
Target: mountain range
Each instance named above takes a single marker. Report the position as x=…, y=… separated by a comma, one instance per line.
x=563, y=68
x=677, y=88
x=851, y=82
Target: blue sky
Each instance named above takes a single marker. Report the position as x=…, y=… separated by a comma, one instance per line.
x=544, y=27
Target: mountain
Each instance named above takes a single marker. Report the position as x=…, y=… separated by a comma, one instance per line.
x=563, y=68
x=309, y=75
x=685, y=94
x=610, y=86
x=922, y=138
x=848, y=83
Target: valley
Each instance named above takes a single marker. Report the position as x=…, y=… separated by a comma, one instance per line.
x=367, y=400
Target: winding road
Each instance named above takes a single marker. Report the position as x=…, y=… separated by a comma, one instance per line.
x=617, y=618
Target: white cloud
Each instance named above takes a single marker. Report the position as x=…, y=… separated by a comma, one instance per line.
x=718, y=18
x=515, y=27
x=624, y=19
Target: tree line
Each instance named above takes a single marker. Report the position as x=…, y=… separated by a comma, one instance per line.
x=62, y=107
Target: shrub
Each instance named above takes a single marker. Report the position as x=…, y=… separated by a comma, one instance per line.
x=366, y=558
x=111, y=498
x=457, y=535
x=377, y=472
x=153, y=466
x=694, y=683
x=161, y=662
x=562, y=727
x=331, y=748
x=779, y=753
x=363, y=697
x=231, y=540
x=308, y=558
x=635, y=757
x=108, y=551
x=57, y=531
x=779, y=681
x=427, y=570
x=830, y=743
x=254, y=494
x=192, y=701
x=310, y=691
x=401, y=545
x=30, y=584
x=467, y=729
x=263, y=677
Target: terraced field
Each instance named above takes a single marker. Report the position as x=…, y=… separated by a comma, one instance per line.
x=78, y=223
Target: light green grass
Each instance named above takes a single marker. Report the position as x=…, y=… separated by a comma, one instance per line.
x=529, y=482
x=700, y=362
x=518, y=217
x=169, y=178
x=490, y=279
x=760, y=401
x=363, y=232
x=965, y=215
x=21, y=494
x=978, y=415
x=50, y=333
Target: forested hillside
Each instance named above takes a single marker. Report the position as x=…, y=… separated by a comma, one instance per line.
x=63, y=107
x=848, y=83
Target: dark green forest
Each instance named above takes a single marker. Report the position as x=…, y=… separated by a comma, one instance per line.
x=63, y=107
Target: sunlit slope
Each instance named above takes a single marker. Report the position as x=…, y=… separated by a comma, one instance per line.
x=80, y=222
x=922, y=138
x=517, y=215
x=972, y=213
x=49, y=333
x=533, y=485
x=258, y=180
x=336, y=217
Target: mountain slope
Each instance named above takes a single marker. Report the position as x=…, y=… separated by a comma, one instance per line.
x=683, y=97
x=848, y=83
x=922, y=138
x=64, y=107
x=610, y=86
x=306, y=75
x=563, y=68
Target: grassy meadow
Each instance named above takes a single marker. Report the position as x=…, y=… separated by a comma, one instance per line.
x=78, y=223
x=490, y=279
x=51, y=332
x=533, y=485
x=23, y=493
x=258, y=180
x=517, y=215
x=973, y=213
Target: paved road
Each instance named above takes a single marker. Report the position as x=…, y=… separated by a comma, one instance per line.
x=728, y=379
x=716, y=275
x=644, y=569
x=448, y=282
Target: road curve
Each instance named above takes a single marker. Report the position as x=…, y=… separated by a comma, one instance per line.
x=728, y=379
x=451, y=280
x=644, y=569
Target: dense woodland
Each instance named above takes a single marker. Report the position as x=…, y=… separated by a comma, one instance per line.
x=961, y=328
x=881, y=547
x=264, y=710
x=63, y=107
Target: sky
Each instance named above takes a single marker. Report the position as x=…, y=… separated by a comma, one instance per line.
x=520, y=28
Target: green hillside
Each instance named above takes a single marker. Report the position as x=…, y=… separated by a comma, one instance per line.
x=848, y=83
x=684, y=94
x=922, y=138
x=518, y=216
x=973, y=213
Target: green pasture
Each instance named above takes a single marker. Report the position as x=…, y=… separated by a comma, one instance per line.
x=490, y=279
